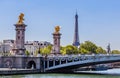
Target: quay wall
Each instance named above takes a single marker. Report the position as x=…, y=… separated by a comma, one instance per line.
x=15, y=72
x=21, y=62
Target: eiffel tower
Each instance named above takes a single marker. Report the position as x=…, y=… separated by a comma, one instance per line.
x=76, y=33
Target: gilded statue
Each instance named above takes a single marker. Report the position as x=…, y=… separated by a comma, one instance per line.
x=21, y=19
x=57, y=29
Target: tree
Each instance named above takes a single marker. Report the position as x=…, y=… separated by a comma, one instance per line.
x=62, y=50
x=115, y=52
x=83, y=51
x=89, y=46
x=70, y=49
x=27, y=53
x=100, y=50
x=46, y=50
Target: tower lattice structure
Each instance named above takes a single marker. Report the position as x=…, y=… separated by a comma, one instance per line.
x=76, y=33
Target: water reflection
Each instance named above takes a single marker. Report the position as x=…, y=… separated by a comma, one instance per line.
x=60, y=76
x=116, y=72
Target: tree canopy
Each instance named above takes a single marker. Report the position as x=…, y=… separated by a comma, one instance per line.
x=87, y=47
x=46, y=50
x=115, y=52
x=100, y=50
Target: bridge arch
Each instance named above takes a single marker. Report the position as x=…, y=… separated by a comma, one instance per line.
x=8, y=63
x=31, y=64
x=81, y=61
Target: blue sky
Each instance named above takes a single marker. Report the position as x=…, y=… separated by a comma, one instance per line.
x=99, y=20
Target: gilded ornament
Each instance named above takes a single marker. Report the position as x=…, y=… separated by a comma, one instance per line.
x=21, y=19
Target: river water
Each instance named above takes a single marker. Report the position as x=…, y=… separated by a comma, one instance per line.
x=112, y=73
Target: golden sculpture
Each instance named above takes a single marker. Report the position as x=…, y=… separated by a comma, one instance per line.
x=57, y=29
x=20, y=21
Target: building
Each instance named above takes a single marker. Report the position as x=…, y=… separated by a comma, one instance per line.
x=33, y=46
x=6, y=46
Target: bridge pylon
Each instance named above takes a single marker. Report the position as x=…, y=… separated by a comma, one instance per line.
x=56, y=41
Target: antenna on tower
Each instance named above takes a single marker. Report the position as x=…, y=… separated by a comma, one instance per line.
x=76, y=11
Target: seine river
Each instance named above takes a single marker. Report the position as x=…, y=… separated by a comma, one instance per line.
x=113, y=73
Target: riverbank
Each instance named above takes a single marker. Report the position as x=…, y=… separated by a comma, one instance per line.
x=105, y=72
x=14, y=71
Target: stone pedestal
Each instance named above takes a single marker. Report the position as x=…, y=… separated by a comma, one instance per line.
x=19, y=48
x=56, y=43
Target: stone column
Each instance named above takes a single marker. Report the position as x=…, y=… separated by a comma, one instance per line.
x=56, y=43
x=19, y=48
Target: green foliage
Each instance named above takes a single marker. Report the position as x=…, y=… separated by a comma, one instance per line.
x=27, y=53
x=100, y=50
x=69, y=49
x=115, y=52
x=89, y=46
x=83, y=51
x=62, y=50
x=46, y=50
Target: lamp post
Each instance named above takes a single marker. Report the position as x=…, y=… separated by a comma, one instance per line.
x=39, y=48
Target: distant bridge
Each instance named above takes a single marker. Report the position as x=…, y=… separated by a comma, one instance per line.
x=68, y=63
